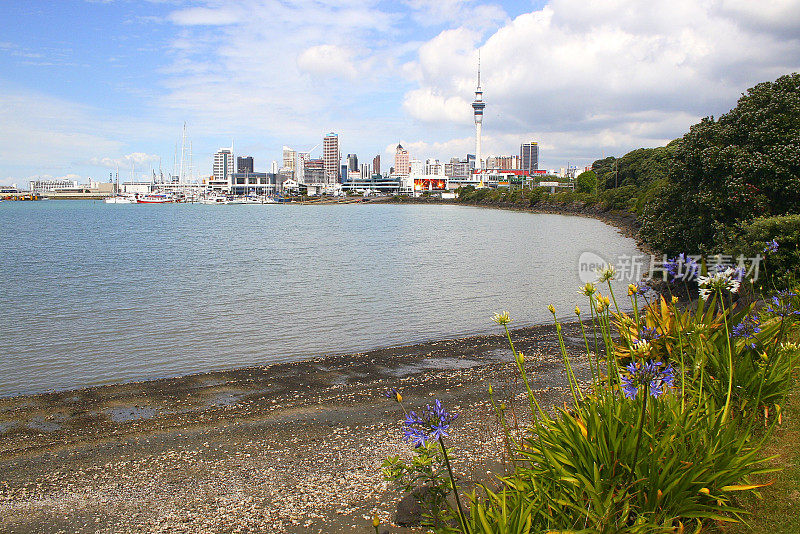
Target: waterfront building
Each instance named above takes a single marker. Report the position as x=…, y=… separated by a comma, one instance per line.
x=332, y=157
x=502, y=162
x=529, y=156
x=416, y=167
x=274, y=167
x=244, y=164
x=41, y=187
x=433, y=167
x=478, y=106
x=314, y=171
x=401, y=161
x=376, y=164
x=365, y=171
x=377, y=184
x=253, y=183
x=222, y=170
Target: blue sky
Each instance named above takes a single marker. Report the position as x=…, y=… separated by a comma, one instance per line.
x=86, y=86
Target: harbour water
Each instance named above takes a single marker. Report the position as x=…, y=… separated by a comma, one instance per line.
x=95, y=293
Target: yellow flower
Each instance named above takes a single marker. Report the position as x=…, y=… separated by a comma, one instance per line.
x=375, y=521
x=521, y=357
x=577, y=310
x=552, y=309
x=398, y=396
x=674, y=300
x=588, y=289
x=632, y=289
x=490, y=389
x=606, y=273
x=502, y=318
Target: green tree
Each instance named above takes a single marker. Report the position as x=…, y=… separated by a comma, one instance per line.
x=724, y=171
x=586, y=182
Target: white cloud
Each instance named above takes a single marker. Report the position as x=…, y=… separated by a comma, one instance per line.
x=328, y=60
x=605, y=75
x=137, y=159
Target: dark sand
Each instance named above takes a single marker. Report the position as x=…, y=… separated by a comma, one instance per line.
x=293, y=447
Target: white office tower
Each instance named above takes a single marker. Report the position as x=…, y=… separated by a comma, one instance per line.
x=477, y=106
x=223, y=164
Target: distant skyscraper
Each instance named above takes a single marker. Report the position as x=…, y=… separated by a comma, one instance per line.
x=352, y=162
x=290, y=160
x=477, y=107
x=529, y=156
x=223, y=164
x=314, y=171
x=244, y=164
x=376, y=164
x=401, y=161
x=332, y=157
x=366, y=171
x=274, y=167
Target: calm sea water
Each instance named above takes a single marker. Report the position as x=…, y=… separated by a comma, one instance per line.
x=92, y=293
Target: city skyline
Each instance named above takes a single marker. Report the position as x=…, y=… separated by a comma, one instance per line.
x=109, y=84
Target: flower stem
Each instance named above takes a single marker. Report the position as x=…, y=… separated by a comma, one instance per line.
x=455, y=489
x=727, y=408
x=639, y=436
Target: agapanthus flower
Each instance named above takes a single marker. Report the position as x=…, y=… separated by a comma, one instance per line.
x=502, y=318
x=588, y=289
x=606, y=273
x=782, y=304
x=648, y=334
x=682, y=267
x=657, y=380
x=771, y=247
x=725, y=280
x=433, y=423
x=747, y=328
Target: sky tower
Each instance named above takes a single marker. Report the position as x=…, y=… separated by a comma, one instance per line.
x=477, y=106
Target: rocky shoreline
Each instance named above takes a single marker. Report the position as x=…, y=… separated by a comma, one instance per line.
x=291, y=447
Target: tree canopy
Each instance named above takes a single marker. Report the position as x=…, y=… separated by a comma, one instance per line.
x=745, y=164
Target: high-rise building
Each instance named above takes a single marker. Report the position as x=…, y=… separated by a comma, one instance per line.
x=314, y=171
x=289, y=160
x=332, y=157
x=401, y=161
x=376, y=164
x=244, y=164
x=343, y=173
x=352, y=162
x=366, y=171
x=529, y=156
x=477, y=107
x=223, y=164
x=417, y=167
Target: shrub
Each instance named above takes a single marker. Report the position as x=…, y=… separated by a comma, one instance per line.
x=751, y=238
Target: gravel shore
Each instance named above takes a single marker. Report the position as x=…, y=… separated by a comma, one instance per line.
x=293, y=447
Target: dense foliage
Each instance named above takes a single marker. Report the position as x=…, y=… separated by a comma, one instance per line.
x=729, y=170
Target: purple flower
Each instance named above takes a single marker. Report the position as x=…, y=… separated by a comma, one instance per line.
x=648, y=334
x=432, y=424
x=771, y=247
x=682, y=267
x=658, y=380
x=783, y=304
x=748, y=327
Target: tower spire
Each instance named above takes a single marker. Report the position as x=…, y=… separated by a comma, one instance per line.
x=479, y=69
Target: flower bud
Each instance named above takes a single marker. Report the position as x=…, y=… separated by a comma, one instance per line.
x=552, y=309
x=632, y=289
x=674, y=300
x=375, y=521
x=577, y=310
x=491, y=391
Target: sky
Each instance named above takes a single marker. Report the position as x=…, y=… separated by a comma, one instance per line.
x=89, y=86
